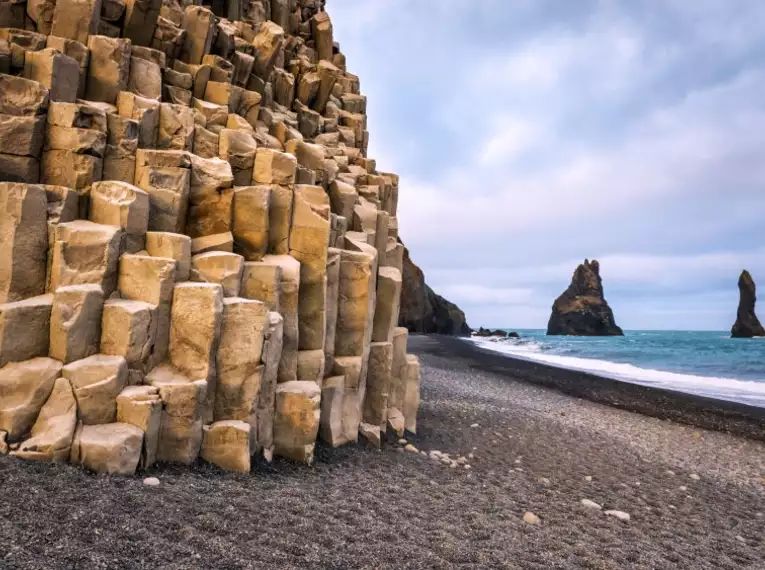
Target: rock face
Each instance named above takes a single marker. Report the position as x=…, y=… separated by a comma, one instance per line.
x=747, y=324
x=199, y=258
x=424, y=311
x=582, y=310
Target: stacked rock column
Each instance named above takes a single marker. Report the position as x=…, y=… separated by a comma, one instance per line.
x=199, y=258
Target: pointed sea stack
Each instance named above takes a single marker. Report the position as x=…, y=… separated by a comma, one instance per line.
x=747, y=324
x=581, y=310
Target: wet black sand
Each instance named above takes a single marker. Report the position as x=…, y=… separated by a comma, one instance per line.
x=533, y=448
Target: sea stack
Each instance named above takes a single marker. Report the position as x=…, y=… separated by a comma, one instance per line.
x=747, y=324
x=582, y=310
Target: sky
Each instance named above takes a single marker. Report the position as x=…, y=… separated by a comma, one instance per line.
x=532, y=134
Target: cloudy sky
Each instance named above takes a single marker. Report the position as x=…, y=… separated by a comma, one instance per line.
x=531, y=134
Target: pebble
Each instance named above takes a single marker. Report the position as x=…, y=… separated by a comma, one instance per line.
x=402, y=441
x=151, y=482
x=695, y=477
x=467, y=467
x=435, y=453
x=588, y=478
x=410, y=447
x=453, y=465
x=759, y=515
x=470, y=456
x=621, y=515
x=531, y=518
x=669, y=472
x=473, y=425
x=544, y=481
x=462, y=460
x=683, y=488
x=741, y=539
x=673, y=507
x=445, y=461
x=425, y=453
x=591, y=504
x=517, y=461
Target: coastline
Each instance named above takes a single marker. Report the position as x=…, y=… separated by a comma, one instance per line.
x=699, y=411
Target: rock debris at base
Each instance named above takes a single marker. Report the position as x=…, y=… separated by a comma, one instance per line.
x=199, y=258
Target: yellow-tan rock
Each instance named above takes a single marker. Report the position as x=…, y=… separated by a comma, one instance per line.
x=113, y=448
x=218, y=267
x=270, y=357
x=24, y=235
x=261, y=281
x=387, y=305
x=227, y=444
x=243, y=330
x=24, y=388
x=128, y=329
x=412, y=394
x=25, y=329
x=124, y=205
x=331, y=424
x=75, y=322
x=194, y=331
x=54, y=428
x=96, y=382
x=288, y=306
x=250, y=224
x=141, y=406
x=183, y=402
x=296, y=420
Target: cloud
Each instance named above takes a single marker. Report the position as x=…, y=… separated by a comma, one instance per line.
x=530, y=135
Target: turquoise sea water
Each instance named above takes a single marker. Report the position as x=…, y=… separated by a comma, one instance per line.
x=699, y=362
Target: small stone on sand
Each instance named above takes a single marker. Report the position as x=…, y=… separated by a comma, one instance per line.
x=151, y=482
x=531, y=518
x=410, y=447
x=591, y=504
x=402, y=441
x=695, y=477
x=621, y=515
x=588, y=478
x=473, y=425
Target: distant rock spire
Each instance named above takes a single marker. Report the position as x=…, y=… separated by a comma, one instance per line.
x=582, y=310
x=747, y=324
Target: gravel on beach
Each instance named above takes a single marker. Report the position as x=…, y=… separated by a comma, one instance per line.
x=534, y=466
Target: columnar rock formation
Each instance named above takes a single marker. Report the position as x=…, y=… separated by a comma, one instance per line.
x=581, y=310
x=199, y=259
x=747, y=324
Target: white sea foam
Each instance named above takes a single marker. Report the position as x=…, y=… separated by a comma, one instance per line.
x=731, y=389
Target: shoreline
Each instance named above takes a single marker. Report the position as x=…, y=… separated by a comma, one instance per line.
x=708, y=413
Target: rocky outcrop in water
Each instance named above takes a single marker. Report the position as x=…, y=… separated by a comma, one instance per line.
x=424, y=311
x=582, y=310
x=747, y=324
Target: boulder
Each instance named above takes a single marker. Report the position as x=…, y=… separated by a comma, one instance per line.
x=24, y=388
x=227, y=444
x=747, y=324
x=581, y=310
x=54, y=428
x=108, y=448
x=387, y=305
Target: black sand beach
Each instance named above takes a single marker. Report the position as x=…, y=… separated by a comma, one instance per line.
x=533, y=449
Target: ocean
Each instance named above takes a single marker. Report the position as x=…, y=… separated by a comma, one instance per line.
x=706, y=363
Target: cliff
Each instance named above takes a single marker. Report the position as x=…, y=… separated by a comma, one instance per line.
x=424, y=311
x=747, y=324
x=199, y=258
x=582, y=310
